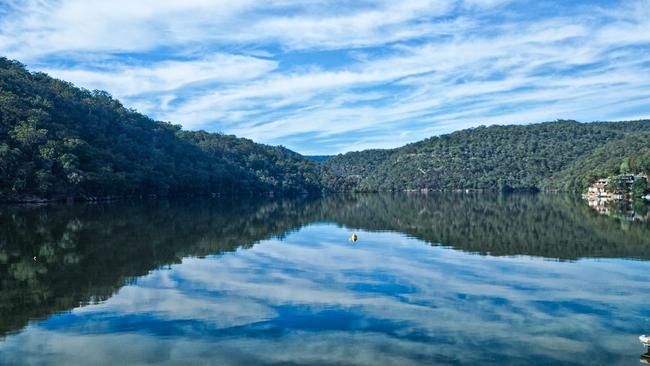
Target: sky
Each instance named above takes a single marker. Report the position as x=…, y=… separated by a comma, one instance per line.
x=330, y=76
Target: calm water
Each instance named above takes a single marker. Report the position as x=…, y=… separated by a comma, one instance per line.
x=456, y=279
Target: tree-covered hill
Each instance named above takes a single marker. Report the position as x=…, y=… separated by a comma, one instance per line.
x=346, y=172
x=491, y=158
x=628, y=155
x=57, y=140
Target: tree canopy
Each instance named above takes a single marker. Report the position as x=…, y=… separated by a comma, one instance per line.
x=57, y=141
x=554, y=155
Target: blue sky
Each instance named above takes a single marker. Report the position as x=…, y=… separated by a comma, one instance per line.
x=324, y=77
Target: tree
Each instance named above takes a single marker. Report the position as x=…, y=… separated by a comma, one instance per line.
x=639, y=187
x=625, y=167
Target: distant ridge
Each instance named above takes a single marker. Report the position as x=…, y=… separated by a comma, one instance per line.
x=561, y=155
x=319, y=158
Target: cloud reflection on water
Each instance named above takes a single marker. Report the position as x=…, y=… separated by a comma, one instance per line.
x=315, y=298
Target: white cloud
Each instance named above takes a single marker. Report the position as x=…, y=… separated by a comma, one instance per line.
x=36, y=28
x=127, y=81
x=391, y=72
x=431, y=74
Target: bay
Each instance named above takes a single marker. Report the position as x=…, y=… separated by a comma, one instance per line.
x=448, y=279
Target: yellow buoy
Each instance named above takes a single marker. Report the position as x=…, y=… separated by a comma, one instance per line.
x=353, y=238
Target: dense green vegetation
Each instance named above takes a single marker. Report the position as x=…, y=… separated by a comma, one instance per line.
x=628, y=155
x=58, y=140
x=491, y=158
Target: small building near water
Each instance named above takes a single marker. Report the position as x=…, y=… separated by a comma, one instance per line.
x=617, y=188
x=598, y=189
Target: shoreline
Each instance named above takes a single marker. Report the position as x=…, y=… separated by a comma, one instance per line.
x=35, y=200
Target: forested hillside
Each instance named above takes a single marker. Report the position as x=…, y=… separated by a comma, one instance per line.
x=57, y=140
x=629, y=155
x=494, y=158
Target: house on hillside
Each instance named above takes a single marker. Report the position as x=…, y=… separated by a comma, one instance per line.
x=628, y=179
x=613, y=196
x=617, y=188
x=598, y=190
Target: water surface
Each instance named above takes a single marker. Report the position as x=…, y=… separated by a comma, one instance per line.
x=433, y=279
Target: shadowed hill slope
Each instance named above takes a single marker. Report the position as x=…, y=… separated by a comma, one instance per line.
x=58, y=140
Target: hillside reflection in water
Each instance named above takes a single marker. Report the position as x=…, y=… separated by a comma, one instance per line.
x=277, y=281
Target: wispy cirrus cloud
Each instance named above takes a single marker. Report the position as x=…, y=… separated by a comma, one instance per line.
x=332, y=76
